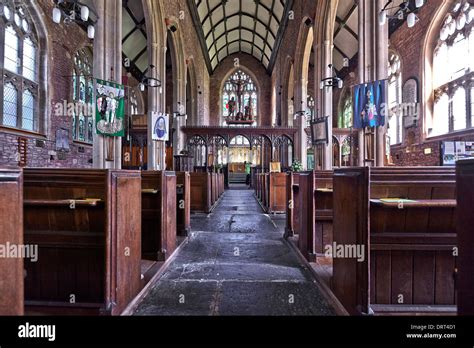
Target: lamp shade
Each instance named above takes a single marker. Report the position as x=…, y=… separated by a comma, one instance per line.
x=90, y=32
x=142, y=87
x=85, y=13
x=419, y=3
x=411, y=20
x=382, y=17
x=56, y=15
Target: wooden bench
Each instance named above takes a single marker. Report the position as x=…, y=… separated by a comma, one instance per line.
x=201, y=193
x=406, y=230
x=87, y=225
x=159, y=216
x=465, y=230
x=183, y=202
x=271, y=192
x=11, y=233
x=314, y=213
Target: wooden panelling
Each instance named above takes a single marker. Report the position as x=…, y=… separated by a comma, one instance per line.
x=464, y=225
x=11, y=233
x=183, y=203
x=411, y=244
x=158, y=215
x=87, y=224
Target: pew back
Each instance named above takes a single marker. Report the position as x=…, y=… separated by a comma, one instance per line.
x=183, y=182
x=87, y=224
x=201, y=195
x=407, y=231
x=158, y=215
x=465, y=223
x=11, y=233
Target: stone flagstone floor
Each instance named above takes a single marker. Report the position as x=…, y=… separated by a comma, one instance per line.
x=236, y=263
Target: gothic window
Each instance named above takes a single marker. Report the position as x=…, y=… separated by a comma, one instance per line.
x=240, y=99
x=82, y=96
x=345, y=120
x=453, y=69
x=20, y=88
x=395, y=119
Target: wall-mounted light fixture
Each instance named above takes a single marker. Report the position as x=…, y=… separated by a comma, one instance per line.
x=75, y=11
x=148, y=81
x=181, y=112
x=333, y=81
x=400, y=12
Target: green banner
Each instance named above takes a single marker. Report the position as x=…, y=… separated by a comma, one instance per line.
x=110, y=109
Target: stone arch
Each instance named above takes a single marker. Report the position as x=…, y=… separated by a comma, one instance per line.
x=174, y=41
x=155, y=24
x=191, y=92
x=302, y=59
x=254, y=79
x=427, y=56
x=288, y=91
x=326, y=15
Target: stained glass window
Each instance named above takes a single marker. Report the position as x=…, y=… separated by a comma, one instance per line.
x=345, y=120
x=20, y=68
x=10, y=102
x=82, y=96
x=240, y=99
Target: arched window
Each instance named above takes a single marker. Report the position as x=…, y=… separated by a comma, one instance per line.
x=395, y=120
x=82, y=95
x=20, y=88
x=240, y=99
x=453, y=69
x=345, y=118
x=310, y=110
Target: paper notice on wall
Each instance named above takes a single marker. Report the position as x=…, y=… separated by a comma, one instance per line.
x=449, y=148
x=461, y=148
x=470, y=148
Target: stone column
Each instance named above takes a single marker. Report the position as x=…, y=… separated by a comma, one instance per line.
x=156, y=96
x=373, y=64
x=327, y=102
x=301, y=95
x=108, y=66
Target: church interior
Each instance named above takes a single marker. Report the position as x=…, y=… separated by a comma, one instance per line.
x=237, y=158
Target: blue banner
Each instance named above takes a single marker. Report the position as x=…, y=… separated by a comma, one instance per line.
x=370, y=105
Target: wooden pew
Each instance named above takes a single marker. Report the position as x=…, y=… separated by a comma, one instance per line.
x=292, y=204
x=183, y=202
x=158, y=215
x=11, y=233
x=314, y=213
x=87, y=225
x=274, y=192
x=221, y=184
x=408, y=264
x=201, y=195
x=464, y=226
x=215, y=193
